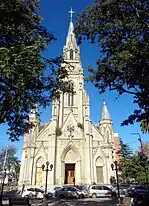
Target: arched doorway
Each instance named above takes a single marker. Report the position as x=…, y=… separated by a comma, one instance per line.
x=99, y=170
x=71, y=165
x=39, y=175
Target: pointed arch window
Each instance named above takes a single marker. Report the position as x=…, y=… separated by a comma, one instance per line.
x=71, y=54
x=71, y=95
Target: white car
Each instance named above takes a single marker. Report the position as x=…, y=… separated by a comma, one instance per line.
x=100, y=191
x=32, y=192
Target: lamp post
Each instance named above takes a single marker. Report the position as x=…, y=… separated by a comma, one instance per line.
x=114, y=167
x=140, y=140
x=47, y=170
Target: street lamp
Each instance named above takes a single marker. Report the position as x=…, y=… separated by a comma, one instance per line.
x=140, y=140
x=114, y=167
x=47, y=170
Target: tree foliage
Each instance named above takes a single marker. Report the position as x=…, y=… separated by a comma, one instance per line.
x=145, y=146
x=26, y=77
x=121, y=29
x=125, y=158
x=138, y=169
x=9, y=158
x=132, y=165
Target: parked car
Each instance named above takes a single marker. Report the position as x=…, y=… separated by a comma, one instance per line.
x=136, y=190
x=122, y=189
x=34, y=193
x=11, y=193
x=68, y=192
x=100, y=191
x=54, y=190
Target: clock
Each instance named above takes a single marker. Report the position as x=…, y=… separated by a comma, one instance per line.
x=71, y=68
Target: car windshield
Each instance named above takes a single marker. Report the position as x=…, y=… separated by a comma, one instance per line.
x=80, y=187
x=106, y=188
x=56, y=188
x=31, y=189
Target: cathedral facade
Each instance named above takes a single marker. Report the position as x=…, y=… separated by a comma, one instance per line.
x=70, y=141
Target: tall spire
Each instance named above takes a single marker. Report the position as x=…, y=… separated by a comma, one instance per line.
x=105, y=114
x=71, y=50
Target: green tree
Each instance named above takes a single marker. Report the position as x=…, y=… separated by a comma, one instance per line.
x=26, y=77
x=9, y=158
x=125, y=159
x=121, y=29
x=138, y=169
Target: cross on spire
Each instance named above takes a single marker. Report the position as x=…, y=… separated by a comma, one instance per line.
x=71, y=13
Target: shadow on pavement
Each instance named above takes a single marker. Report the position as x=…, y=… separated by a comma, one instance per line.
x=102, y=202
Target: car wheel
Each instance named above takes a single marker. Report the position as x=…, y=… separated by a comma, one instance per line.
x=50, y=194
x=81, y=196
x=113, y=194
x=61, y=196
x=94, y=195
x=30, y=195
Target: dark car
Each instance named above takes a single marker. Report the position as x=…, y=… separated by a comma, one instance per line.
x=136, y=190
x=68, y=192
x=122, y=189
x=10, y=193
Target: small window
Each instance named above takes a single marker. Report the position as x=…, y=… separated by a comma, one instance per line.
x=71, y=95
x=31, y=189
x=99, y=188
x=65, y=189
x=106, y=188
x=72, y=189
x=71, y=54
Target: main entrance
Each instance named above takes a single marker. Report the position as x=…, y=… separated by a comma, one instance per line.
x=69, y=173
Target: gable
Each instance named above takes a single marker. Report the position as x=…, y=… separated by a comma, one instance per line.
x=48, y=129
x=96, y=134
x=70, y=127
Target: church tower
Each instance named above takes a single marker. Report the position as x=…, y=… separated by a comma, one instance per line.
x=76, y=101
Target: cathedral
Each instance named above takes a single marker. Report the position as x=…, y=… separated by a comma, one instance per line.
x=72, y=145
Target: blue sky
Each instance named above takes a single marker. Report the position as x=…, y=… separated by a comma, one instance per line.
x=56, y=19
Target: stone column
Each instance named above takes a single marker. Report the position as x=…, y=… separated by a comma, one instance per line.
x=78, y=172
x=51, y=158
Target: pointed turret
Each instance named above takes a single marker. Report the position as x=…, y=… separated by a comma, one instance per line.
x=105, y=123
x=105, y=113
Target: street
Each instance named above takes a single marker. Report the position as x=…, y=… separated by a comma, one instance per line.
x=86, y=201
x=73, y=202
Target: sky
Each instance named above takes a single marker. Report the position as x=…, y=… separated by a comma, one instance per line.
x=56, y=18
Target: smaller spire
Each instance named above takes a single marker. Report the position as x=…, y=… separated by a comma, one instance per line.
x=105, y=114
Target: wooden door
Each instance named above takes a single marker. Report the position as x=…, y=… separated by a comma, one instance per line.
x=39, y=176
x=70, y=176
x=99, y=172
